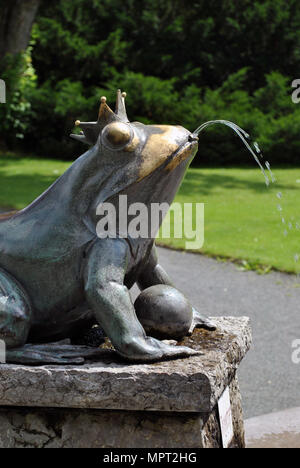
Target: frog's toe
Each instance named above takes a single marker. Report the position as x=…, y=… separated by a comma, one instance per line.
x=201, y=321
x=34, y=357
x=52, y=353
x=150, y=350
x=179, y=351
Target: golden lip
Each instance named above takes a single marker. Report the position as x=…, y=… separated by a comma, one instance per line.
x=162, y=148
x=181, y=154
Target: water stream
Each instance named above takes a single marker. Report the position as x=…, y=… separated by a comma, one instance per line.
x=244, y=136
x=258, y=156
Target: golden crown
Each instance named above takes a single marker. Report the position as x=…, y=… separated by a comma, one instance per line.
x=91, y=130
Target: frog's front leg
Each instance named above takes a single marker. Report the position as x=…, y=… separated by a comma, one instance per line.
x=153, y=274
x=110, y=300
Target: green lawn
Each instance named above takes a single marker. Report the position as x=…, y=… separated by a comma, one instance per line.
x=242, y=220
x=23, y=179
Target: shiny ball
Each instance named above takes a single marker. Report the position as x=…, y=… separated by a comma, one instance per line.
x=164, y=312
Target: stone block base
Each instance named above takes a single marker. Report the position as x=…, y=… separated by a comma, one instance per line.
x=173, y=404
x=68, y=428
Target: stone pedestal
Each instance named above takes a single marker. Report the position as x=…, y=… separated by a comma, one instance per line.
x=110, y=404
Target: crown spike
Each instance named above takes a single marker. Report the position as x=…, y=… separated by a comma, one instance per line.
x=106, y=115
x=120, y=106
x=80, y=138
x=92, y=130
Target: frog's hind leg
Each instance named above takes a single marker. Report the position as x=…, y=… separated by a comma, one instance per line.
x=15, y=325
x=15, y=312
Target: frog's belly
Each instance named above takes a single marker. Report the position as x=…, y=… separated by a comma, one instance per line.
x=56, y=290
x=53, y=286
x=67, y=325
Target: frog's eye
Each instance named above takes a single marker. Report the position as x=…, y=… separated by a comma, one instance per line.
x=117, y=135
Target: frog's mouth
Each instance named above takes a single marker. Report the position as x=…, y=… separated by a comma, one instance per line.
x=185, y=151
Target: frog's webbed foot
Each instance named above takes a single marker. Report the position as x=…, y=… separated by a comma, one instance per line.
x=201, y=321
x=148, y=349
x=52, y=353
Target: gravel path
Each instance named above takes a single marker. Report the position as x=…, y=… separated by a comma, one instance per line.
x=269, y=380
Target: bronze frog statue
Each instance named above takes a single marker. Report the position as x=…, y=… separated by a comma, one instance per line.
x=58, y=277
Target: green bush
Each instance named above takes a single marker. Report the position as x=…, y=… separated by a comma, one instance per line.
x=269, y=116
x=180, y=62
x=45, y=115
x=20, y=78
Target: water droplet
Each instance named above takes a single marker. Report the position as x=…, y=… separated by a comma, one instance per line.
x=279, y=207
x=283, y=220
x=290, y=226
x=296, y=257
x=285, y=233
x=298, y=226
x=257, y=147
x=273, y=178
x=279, y=195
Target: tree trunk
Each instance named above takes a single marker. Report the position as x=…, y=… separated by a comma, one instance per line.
x=16, y=19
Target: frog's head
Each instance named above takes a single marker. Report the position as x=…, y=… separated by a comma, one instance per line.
x=153, y=156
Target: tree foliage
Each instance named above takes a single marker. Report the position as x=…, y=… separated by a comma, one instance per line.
x=181, y=62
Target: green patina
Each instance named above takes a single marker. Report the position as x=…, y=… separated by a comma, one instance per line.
x=57, y=276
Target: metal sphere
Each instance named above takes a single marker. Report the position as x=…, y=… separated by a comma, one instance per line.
x=164, y=312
